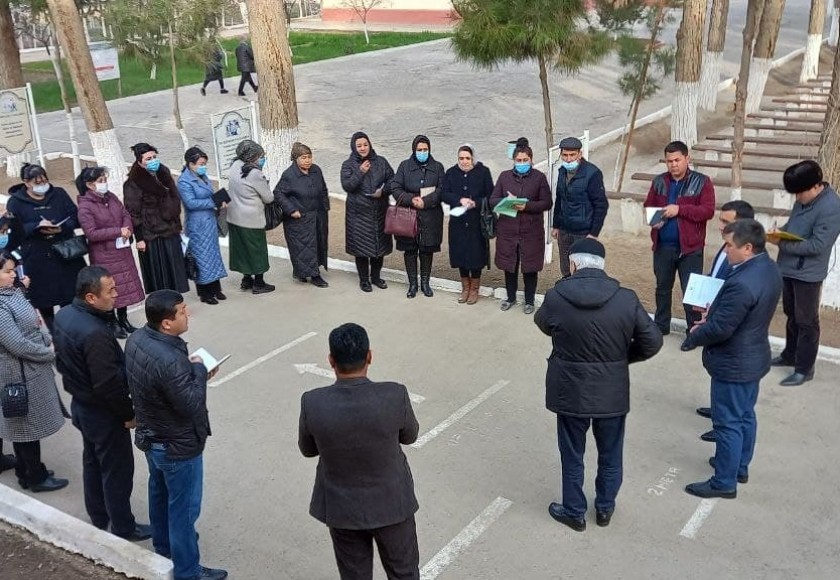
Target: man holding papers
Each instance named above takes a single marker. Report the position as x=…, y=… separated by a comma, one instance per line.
x=736, y=354
x=815, y=220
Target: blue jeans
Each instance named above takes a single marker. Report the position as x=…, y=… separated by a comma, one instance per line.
x=609, y=438
x=734, y=422
x=175, y=488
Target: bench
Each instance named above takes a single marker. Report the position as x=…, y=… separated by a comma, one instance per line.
x=728, y=165
x=771, y=140
x=813, y=107
x=789, y=118
x=798, y=100
x=792, y=127
x=641, y=197
x=718, y=182
x=753, y=152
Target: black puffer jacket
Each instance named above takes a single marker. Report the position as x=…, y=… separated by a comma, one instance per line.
x=364, y=216
x=597, y=329
x=169, y=393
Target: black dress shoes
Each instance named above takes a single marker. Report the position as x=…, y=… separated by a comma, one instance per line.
x=779, y=361
x=685, y=347
x=141, y=533
x=557, y=512
x=742, y=478
x=603, y=518
x=379, y=283
x=365, y=286
x=117, y=330
x=705, y=490
x=49, y=484
x=796, y=379
x=319, y=282
x=705, y=412
x=709, y=436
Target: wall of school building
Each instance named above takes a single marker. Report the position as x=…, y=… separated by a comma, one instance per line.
x=410, y=12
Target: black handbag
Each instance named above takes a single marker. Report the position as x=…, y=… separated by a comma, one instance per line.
x=488, y=220
x=273, y=215
x=14, y=397
x=71, y=248
x=191, y=265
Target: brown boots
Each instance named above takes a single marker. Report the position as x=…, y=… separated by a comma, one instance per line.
x=469, y=290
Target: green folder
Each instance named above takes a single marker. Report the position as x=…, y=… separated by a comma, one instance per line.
x=505, y=207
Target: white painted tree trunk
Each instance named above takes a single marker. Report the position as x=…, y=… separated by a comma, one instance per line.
x=759, y=71
x=14, y=163
x=243, y=10
x=106, y=149
x=684, y=113
x=710, y=79
x=364, y=26
x=834, y=31
x=278, y=150
x=153, y=74
x=811, y=60
x=735, y=194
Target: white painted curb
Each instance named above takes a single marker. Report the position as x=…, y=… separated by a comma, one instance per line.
x=60, y=529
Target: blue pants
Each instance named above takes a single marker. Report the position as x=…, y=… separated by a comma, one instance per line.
x=609, y=438
x=175, y=488
x=734, y=422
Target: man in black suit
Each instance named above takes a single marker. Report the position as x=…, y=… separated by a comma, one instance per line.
x=734, y=333
x=363, y=485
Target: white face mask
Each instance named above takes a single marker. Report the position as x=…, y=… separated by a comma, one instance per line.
x=41, y=189
x=101, y=188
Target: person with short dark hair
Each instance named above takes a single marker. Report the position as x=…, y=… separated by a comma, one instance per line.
x=815, y=218
x=169, y=390
x=48, y=216
x=302, y=193
x=364, y=490
x=92, y=367
x=246, y=65
x=734, y=334
x=581, y=205
x=200, y=225
x=687, y=200
x=597, y=329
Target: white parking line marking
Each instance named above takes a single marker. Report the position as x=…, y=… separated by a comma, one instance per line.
x=700, y=514
x=262, y=359
x=314, y=369
x=446, y=423
x=465, y=537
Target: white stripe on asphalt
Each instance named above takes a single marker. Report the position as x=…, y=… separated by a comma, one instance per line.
x=459, y=414
x=465, y=537
x=262, y=359
x=314, y=369
x=700, y=514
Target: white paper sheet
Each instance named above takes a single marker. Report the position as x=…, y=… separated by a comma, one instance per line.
x=123, y=243
x=209, y=360
x=701, y=290
x=458, y=211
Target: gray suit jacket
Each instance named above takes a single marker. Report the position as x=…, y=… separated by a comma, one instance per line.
x=356, y=426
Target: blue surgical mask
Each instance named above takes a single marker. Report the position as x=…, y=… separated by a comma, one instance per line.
x=201, y=170
x=571, y=165
x=261, y=162
x=153, y=165
x=4, y=240
x=522, y=168
x=422, y=156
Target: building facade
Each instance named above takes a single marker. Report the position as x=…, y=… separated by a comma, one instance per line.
x=407, y=12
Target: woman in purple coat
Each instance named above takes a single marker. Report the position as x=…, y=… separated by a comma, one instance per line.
x=109, y=232
x=520, y=240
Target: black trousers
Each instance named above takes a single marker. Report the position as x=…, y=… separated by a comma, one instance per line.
x=801, y=305
x=107, y=468
x=246, y=78
x=29, y=469
x=398, y=551
x=512, y=282
x=667, y=263
x=564, y=243
x=221, y=84
x=369, y=268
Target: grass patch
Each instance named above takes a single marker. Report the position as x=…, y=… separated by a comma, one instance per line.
x=306, y=47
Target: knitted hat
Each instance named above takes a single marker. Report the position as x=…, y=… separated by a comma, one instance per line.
x=588, y=246
x=249, y=151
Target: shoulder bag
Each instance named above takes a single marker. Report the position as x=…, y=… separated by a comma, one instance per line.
x=488, y=220
x=273, y=215
x=401, y=221
x=71, y=248
x=14, y=398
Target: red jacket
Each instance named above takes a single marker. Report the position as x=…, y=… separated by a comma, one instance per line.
x=697, y=206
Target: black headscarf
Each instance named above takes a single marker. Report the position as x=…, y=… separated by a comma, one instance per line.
x=417, y=140
x=355, y=154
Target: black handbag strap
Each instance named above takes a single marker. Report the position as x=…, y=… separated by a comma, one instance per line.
x=20, y=360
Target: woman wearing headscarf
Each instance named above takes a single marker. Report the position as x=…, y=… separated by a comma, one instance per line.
x=302, y=193
x=249, y=194
x=200, y=226
x=520, y=240
x=366, y=177
x=465, y=185
x=417, y=184
x=152, y=200
x=48, y=216
x=109, y=232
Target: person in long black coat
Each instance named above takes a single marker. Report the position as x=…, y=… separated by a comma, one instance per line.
x=417, y=184
x=34, y=203
x=302, y=193
x=366, y=177
x=215, y=70
x=467, y=184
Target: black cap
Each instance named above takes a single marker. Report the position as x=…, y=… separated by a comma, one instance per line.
x=588, y=246
x=572, y=143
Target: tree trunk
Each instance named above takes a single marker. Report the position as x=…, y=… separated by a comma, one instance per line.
x=176, y=106
x=713, y=57
x=687, y=72
x=103, y=138
x=816, y=24
x=546, y=98
x=755, y=9
x=11, y=75
x=276, y=97
x=829, y=152
x=765, y=47
x=834, y=31
x=55, y=59
x=364, y=27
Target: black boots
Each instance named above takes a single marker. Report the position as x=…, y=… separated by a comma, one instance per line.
x=425, y=274
x=411, y=273
x=117, y=329
x=122, y=320
x=260, y=286
x=206, y=293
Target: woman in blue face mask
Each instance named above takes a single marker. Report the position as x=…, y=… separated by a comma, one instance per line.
x=520, y=240
x=152, y=199
x=200, y=225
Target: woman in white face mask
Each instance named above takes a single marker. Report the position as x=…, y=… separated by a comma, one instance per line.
x=109, y=233
x=48, y=217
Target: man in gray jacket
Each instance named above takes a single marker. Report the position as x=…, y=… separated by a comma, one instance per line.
x=815, y=218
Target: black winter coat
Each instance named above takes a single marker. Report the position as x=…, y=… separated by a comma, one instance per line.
x=735, y=334
x=53, y=280
x=581, y=205
x=245, y=58
x=215, y=66
x=597, y=329
x=409, y=179
x=169, y=393
x=364, y=216
x=153, y=201
x=468, y=247
x=90, y=360
x=306, y=237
